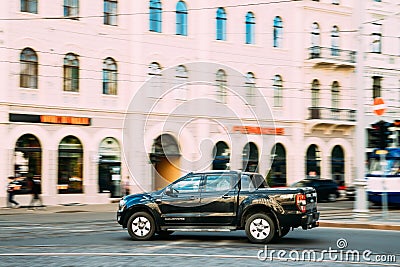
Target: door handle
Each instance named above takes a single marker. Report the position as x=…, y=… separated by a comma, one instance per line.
x=157, y=200
x=191, y=197
x=225, y=196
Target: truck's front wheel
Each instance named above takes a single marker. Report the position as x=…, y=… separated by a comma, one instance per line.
x=260, y=228
x=141, y=226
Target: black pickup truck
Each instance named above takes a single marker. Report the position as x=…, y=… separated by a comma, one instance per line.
x=219, y=201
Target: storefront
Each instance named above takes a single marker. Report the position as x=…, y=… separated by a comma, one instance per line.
x=110, y=167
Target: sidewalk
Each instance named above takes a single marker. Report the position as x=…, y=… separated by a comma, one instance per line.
x=337, y=218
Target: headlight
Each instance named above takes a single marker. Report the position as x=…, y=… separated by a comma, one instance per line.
x=122, y=203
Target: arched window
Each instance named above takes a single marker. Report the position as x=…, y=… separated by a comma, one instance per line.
x=30, y=6
x=109, y=76
x=110, y=12
x=221, y=86
x=155, y=15
x=250, y=88
x=278, y=32
x=70, y=165
x=250, y=157
x=71, y=9
x=315, y=41
x=335, y=41
x=221, y=154
x=277, y=175
x=250, y=24
x=221, y=24
x=181, y=78
x=71, y=73
x=335, y=95
x=278, y=91
x=315, y=93
x=29, y=69
x=337, y=165
x=313, y=162
x=181, y=18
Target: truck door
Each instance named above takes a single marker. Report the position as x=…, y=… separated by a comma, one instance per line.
x=179, y=204
x=218, y=200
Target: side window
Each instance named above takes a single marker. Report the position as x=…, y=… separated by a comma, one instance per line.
x=246, y=183
x=189, y=184
x=218, y=183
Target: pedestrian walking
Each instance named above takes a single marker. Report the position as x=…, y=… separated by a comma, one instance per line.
x=34, y=185
x=11, y=188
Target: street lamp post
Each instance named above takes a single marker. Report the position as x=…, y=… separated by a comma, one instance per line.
x=361, y=204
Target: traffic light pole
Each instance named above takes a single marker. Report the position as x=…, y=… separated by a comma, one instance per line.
x=360, y=210
x=383, y=163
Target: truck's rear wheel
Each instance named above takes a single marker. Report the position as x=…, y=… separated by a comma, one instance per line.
x=260, y=228
x=141, y=226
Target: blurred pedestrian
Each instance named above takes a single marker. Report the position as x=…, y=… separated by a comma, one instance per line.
x=34, y=185
x=126, y=186
x=11, y=187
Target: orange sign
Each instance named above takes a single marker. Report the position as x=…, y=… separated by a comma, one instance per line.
x=379, y=106
x=64, y=120
x=258, y=130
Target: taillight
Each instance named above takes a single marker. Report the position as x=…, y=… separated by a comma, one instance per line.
x=301, y=202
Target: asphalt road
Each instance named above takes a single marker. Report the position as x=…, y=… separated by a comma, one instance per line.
x=95, y=239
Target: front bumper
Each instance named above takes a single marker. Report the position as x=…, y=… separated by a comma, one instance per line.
x=310, y=220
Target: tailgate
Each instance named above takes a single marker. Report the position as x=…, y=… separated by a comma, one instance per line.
x=311, y=198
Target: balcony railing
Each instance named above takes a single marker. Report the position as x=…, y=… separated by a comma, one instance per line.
x=332, y=55
x=320, y=113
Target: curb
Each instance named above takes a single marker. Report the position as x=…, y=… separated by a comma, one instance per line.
x=359, y=225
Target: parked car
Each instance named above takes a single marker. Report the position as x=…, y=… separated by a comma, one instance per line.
x=219, y=201
x=327, y=189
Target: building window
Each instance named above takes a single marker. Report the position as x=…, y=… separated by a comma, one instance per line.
x=155, y=15
x=250, y=24
x=315, y=41
x=109, y=77
x=30, y=6
x=154, y=72
x=376, y=38
x=221, y=24
x=335, y=95
x=71, y=9
x=315, y=93
x=181, y=18
x=221, y=86
x=376, y=86
x=335, y=41
x=277, y=173
x=278, y=32
x=250, y=88
x=29, y=69
x=313, y=162
x=277, y=91
x=110, y=12
x=181, y=78
x=71, y=73
x=70, y=166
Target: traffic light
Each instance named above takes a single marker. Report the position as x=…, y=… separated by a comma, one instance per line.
x=380, y=135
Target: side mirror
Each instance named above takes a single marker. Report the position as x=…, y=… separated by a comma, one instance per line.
x=168, y=191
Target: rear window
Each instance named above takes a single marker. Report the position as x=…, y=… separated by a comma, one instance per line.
x=253, y=181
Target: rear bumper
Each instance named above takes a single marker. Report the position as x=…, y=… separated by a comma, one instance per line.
x=310, y=220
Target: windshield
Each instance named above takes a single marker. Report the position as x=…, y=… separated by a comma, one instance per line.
x=387, y=167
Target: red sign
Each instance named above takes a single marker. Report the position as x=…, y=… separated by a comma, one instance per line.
x=258, y=130
x=379, y=106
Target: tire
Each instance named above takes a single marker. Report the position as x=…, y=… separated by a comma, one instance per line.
x=141, y=226
x=332, y=197
x=260, y=228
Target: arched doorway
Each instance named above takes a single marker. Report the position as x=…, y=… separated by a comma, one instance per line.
x=277, y=175
x=221, y=155
x=165, y=157
x=337, y=165
x=110, y=167
x=313, y=162
x=70, y=166
x=28, y=158
x=250, y=157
